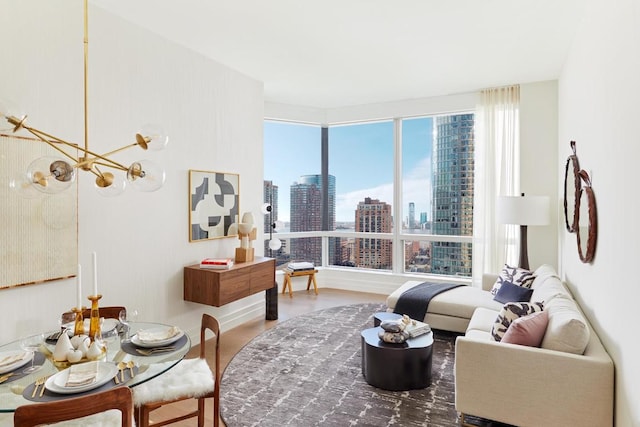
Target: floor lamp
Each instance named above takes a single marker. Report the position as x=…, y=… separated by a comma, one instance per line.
x=523, y=211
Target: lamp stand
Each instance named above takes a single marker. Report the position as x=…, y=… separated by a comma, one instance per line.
x=524, y=258
x=271, y=298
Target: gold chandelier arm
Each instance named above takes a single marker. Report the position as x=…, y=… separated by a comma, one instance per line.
x=43, y=137
x=38, y=134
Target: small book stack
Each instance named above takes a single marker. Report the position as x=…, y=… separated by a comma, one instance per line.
x=217, y=263
x=417, y=328
x=300, y=266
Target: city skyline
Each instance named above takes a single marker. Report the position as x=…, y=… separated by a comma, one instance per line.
x=352, y=151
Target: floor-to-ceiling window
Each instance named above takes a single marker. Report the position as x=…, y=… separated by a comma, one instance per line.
x=402, y=186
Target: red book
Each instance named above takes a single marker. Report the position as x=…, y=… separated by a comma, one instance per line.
x=216, y=261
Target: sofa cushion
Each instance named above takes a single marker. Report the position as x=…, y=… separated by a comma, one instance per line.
x=517, y=276
x=567, y=329
x=510, y=312
x=547, y=288
x=528, y=330
x=509, y=292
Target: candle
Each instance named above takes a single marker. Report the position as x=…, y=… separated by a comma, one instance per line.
x=95, y=274
x=79, y=287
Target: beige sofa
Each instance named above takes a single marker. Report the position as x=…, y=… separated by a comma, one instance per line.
x=568, y=381
x=452, y=310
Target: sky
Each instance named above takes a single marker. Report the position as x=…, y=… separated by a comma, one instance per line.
x=360, y=157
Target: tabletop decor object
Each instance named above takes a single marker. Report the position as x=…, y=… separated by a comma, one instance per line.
x=247, y=233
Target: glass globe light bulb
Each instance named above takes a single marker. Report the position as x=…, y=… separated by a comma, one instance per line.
x=152, y=136
x=145, y=175
x=110, y=185
x=51, y=175
x=275, y=244
x=278, y=225
x=21, y=185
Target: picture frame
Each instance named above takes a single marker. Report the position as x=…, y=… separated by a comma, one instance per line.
x=213, y=204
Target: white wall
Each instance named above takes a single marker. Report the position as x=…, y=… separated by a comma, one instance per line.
x=598, y=108
x=538, y=174
x=214, y=117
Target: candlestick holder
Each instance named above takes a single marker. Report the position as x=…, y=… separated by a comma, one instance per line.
x=78, y=328
x=94, y=321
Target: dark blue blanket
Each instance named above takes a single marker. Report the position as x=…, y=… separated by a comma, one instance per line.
x=415, y=301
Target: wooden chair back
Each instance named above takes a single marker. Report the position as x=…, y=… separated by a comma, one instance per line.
x=143, y=412
x=69, y=409
x=108, y=312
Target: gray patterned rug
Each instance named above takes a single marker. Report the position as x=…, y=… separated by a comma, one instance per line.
x=307, y=371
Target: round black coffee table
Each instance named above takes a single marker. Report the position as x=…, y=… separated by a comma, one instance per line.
x=405, y=366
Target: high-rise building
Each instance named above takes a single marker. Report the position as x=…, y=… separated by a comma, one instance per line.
x=306, y=215
x=373, y=216
x=452, y=198
x=412, y=215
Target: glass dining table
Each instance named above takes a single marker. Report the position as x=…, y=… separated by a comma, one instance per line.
x=126, y=361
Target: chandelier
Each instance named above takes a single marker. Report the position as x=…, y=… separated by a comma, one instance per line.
x=55, y=174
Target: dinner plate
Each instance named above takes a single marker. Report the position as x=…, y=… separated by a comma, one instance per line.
x=56, y=383
x=26, y=357
x=157, y=343
x=107, y=325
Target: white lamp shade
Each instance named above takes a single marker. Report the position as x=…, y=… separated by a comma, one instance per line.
x=523, y=210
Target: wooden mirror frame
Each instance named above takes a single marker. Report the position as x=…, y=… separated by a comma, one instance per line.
x=571, y=170
x=586, y=194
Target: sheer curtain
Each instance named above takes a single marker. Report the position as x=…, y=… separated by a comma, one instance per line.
x=497, y=172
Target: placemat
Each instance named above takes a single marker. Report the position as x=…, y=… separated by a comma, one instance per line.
x=49, y=396
x=38, y=359
x=131, y=348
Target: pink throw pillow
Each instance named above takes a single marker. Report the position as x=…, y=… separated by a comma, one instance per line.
x=527, y=330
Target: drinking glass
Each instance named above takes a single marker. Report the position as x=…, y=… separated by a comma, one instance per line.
x=125, y=318
x=32, y=343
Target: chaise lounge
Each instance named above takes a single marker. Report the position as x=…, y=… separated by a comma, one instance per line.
x=568, y=380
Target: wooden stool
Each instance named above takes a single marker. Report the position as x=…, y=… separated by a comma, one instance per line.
x=288, y=274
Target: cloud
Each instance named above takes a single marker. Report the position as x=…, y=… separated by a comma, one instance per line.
x=416, y=188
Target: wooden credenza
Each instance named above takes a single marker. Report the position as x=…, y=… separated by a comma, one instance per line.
x=220, y=287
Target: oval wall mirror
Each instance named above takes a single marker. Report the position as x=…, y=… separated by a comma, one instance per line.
x=587, y=230
x=571, y=190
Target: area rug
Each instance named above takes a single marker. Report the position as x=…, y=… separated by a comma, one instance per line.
x=307, y=371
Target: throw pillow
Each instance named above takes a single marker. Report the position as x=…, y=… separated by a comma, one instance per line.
x=510, y=312
x=528, y=330
x=517, y=276
x=509, y=292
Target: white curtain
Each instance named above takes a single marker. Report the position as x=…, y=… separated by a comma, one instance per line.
x=497, y=173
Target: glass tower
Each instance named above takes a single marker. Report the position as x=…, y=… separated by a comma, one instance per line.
x=452, y=199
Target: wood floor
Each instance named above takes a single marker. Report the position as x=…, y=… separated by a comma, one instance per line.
x=233, y=340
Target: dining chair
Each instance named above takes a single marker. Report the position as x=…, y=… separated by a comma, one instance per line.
x=108, y=312
x=189, y=379
x=95, y=406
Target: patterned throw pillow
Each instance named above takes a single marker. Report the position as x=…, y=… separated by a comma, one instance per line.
x=511, y=311
x=517, y=276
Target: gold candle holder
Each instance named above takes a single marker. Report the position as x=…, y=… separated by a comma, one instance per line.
x=94, y=321
x=78, y=328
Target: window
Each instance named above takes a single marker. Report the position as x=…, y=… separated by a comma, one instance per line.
x=432, y=227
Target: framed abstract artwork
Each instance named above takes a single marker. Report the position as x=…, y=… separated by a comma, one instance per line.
x=213, y=204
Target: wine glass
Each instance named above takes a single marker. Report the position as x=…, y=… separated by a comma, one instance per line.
x=32, y=344
x=125, y=318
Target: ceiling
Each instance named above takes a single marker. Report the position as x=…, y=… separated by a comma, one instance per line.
x=337, y=53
